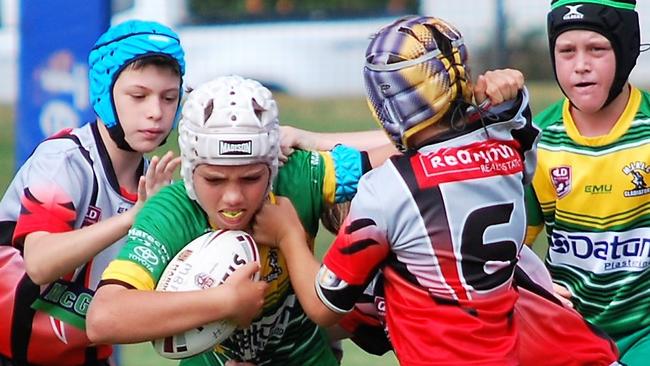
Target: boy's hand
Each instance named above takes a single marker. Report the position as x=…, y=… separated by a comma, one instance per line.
x=247, y=294
x=275, y=223
x=498, y=86
x=294, y=138
x=159, y=174
x=562, y=294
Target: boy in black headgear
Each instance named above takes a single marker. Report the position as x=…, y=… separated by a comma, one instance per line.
x=594, y=146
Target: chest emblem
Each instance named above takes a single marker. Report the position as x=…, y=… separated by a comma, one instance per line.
x=561, y=179
x=638, y=172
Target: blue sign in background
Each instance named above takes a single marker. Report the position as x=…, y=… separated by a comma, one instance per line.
x=55, y=39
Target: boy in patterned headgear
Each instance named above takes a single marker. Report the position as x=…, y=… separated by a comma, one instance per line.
x=444, y=221
x=65, y=214
x=590, y=188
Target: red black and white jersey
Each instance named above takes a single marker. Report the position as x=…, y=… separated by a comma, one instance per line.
x=445, y=224
x=66, y=184
x=542, y=322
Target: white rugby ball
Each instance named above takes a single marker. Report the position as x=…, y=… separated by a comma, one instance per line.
x=205, y=262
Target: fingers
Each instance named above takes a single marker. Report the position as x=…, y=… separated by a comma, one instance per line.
x=499, y=85
x=142, y=189
x=563, y=294
x=562, y=291
x=160, y=172
x=166, y=166
x=248, y=270
x=285, y=151
x=479, y=89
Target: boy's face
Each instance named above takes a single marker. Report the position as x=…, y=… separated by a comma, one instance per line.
x=231, y=195
x=585, y=64
x=146, y=100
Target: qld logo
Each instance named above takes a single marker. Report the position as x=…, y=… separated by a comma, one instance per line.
x=561, y=179
x=637, y=171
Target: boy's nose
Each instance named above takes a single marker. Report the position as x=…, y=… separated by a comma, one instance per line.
x=154, y=109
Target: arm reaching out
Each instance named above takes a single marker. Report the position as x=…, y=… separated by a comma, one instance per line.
x=49, y=256
x=279, y=226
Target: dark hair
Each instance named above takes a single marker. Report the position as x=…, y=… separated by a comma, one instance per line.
x=333, y=216
x=160, y=61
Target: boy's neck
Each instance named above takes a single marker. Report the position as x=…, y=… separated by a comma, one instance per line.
x=601, y=122
x=125, y=163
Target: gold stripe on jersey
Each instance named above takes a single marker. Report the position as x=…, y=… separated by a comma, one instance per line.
x=129, y=272
x=329, y=179
x=600, y=194
x=621, y=126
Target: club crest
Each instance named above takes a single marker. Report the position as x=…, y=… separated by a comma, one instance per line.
x=561, y=178
x=638, y=171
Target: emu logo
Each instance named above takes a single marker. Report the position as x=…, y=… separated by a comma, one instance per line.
x=573, y=13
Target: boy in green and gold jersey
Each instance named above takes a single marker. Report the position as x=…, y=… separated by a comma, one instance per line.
x=590, y=188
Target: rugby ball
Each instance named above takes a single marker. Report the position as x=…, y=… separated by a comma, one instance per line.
x=205, y=262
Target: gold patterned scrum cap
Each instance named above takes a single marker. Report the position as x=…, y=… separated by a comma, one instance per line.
x=416, y=69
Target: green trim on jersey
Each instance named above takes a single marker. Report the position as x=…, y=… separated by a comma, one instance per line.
x=170, y=220
x=594, y=200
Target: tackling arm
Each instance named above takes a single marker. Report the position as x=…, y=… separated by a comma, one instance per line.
x=278, y=225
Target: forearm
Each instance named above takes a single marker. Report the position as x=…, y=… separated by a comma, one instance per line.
x=49, y=256
x=310, y=140
x=362, y=140
x=303, y=269
x=121, y=315
x=378, y=155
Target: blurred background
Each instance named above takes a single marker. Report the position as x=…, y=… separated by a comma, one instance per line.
x=309, y=52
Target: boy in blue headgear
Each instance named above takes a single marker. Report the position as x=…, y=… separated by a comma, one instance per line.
x=590, y=188
x=65, y=214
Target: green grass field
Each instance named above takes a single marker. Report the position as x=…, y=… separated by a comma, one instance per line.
x=349, y=114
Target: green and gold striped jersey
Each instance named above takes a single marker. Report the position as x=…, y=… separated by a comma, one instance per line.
x=282, y=334
x=592, y=195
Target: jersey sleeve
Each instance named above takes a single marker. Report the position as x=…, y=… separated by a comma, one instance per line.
x=313, y=180
x=359, y=249
x=55, y=189
x=166, y=223
x=534, y=218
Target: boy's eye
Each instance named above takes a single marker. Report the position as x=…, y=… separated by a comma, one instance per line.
x=252, y=179
x=213, y=180
x=137, y=96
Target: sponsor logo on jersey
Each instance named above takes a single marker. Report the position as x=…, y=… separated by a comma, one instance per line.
x=561, y=179
x=637, y=171
x=266, y=333
x=148, y=242
x=573, y=12
x=602, y=252
x=145, y=254
x=235, y=147
x=477, y=160
x=598, y=188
